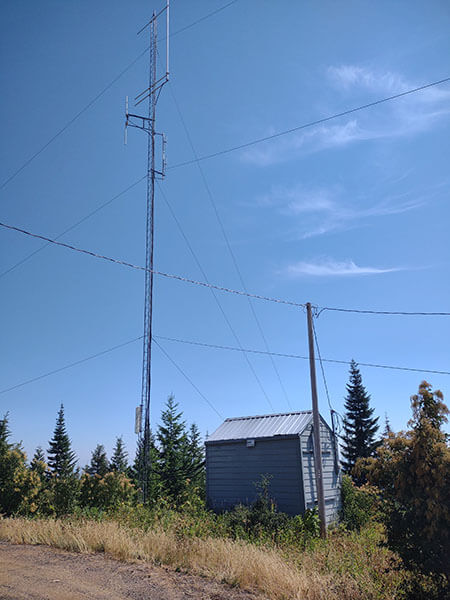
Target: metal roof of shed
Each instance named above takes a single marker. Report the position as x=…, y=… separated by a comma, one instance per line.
x=261, y=426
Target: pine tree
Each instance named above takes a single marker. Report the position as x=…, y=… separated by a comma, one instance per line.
x=38, y=456
x=387, y=426
x=135, y=471
x=119, y=460
x=195, y=457
x=38, y=464
x=5, y=433
x=359, y=425
x=99, y=462
x=173, y=441
x=61, y=458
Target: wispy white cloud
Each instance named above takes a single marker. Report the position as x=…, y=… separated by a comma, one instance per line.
x=316, y=211
x=333, y=268
x=403, y=117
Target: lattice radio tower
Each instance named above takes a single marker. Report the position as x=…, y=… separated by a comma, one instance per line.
x=147, y=124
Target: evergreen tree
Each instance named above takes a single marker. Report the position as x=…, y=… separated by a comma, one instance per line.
x=5, y=433
x=194, y=463
x=119, y=460
x=135, y=471
x=61, y=458
x=387, y=426
x=38, y=464
x=38, y=456
x=360, y=426
x=99, y=462
x=173, y=443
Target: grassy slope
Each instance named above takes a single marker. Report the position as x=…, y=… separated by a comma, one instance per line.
x=345, y=567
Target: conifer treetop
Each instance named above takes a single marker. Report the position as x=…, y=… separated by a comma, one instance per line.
x=61, y=458
x=119, y=459
x=360, y=426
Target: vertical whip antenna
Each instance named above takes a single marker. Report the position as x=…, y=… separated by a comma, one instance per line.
x=156, y=144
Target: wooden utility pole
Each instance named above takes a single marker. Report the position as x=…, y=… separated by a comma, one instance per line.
x=316, y=426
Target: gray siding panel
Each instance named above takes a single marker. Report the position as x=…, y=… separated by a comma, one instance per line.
x=331, y=478
x=233, y=469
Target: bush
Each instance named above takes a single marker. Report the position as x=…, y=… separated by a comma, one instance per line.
x=359, y=504
x=107, y=492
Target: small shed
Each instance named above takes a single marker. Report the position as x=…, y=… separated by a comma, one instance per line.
x=244, y=449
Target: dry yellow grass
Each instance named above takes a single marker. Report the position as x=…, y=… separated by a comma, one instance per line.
x=236, y=563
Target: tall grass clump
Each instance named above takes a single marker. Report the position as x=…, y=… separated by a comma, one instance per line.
x=328, y=571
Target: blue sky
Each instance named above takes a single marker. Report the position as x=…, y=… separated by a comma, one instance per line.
x=351, y=213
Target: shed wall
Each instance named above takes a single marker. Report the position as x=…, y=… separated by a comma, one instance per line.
x=331, y=475
x=232, y=469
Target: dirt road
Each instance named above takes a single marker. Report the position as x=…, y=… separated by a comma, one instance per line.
x=41, y=573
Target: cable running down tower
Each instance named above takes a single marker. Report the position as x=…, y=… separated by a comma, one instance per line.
x=147, y=124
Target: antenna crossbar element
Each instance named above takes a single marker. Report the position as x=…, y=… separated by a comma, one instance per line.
x=147, y=123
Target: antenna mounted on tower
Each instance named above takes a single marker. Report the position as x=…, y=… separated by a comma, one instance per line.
x=157, y=79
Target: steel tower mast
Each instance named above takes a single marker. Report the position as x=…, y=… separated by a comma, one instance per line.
x=147, y=124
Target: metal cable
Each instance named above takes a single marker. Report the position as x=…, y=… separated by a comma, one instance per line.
x=310, y=124
x=216, y=347
x=208, y=285
x=321, y=367
x=85, y=218
x=188, y=379
x=228, y=244
x=212, y=289
x=101, y=93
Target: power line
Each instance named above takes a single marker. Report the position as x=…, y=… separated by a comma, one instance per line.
x=140, y=268
x=219, y=304
x=307, y=125
x=101, y=93
x=188, y=379
x=296, y=356
x=384, y=312
x=69, y=366
x=85, y=218
x=214, y=347
x=205, y=284
x=230, y=249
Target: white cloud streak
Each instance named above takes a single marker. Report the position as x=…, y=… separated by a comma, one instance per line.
x=323, y=210
x=333, y=268
x=403, y=117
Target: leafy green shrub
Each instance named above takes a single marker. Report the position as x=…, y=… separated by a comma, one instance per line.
x=359, y=504
x=107, y=491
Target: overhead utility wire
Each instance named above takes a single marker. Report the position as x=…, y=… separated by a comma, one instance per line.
x=297, y=356
x=85, y=218
x=69, y=366
x=103, y=352
x=188, y=379
x=140, y=268
x=384, y=312
x=230, y=249
x=102, y=92
x=202, y=283
x=219, y=304
x=307, y=125
x=215, y=347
